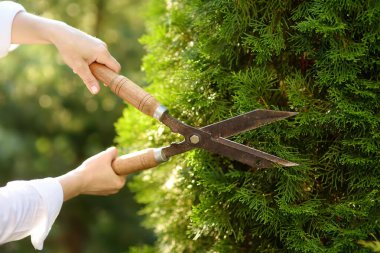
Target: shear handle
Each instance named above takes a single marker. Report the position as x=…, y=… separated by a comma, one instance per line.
x=128, y=91
x=141, y=160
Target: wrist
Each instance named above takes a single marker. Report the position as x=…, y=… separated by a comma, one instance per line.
x=55, y=31
x=72, y=184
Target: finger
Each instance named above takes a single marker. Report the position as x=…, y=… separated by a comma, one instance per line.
x=121, y=183
x=114, y=64
x=123, y=180
x=83, y=71
x=112, y=152
x=101, y=193
x=107, y=59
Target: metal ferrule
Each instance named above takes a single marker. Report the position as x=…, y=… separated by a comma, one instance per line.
x=159, y=156
x=159, y=112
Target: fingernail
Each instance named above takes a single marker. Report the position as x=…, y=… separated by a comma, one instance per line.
x=94, y=89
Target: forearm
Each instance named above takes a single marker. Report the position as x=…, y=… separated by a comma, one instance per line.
x=30, y=29
x=72, y=184
x=78, y=49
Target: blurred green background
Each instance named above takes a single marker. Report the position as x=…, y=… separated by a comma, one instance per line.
x=50, y=123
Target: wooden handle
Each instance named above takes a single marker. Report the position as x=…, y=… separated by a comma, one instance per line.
x=126, y=89
x=130, y=163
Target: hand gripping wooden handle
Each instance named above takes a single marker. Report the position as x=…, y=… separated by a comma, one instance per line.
x=141, y=160
x=126, y=89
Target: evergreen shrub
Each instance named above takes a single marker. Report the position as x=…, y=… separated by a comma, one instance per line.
x=210, y=60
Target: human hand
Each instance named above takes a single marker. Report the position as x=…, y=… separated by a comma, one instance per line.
x=94, y=176
x=78, y=49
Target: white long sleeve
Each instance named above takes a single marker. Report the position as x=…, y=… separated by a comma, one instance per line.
x=29, y=208
x=8, y=11
x=26, y=207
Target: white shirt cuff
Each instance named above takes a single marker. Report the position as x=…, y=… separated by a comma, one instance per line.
x=8, y=11
x=51, y=193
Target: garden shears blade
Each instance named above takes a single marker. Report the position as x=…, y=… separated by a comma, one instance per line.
x=211, y=138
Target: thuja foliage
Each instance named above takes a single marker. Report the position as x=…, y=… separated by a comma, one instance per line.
x=374, y=245
x=210, y=60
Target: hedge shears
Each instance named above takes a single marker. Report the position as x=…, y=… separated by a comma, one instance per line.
x=212, y=138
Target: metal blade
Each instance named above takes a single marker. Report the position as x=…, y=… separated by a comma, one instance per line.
x=176, y=149
x=245, y=122
x=210, y=138
x=245, y=154
x=234, y=151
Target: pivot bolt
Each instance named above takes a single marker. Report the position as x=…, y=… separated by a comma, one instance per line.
x=194, y=139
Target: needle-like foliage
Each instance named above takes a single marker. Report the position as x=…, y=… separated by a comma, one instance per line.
x=210, y=60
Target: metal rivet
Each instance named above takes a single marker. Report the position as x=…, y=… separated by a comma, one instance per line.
x=194, y=139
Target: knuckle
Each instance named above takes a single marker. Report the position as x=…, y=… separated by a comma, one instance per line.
x=100, y=42
x=118, y=67
x=101, y=49
x=104, y=44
